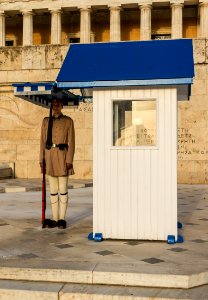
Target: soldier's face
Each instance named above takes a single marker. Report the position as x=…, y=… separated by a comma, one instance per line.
x=57, y=106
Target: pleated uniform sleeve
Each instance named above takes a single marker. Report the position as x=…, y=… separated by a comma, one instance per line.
x=43, y=139
x=71, y=142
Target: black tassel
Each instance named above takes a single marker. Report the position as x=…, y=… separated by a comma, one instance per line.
x=49, y=133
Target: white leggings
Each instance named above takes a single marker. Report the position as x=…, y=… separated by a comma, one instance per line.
x=59, y=185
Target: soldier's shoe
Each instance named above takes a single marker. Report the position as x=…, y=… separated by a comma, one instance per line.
x=61, y=224
x=52, y=224
x=48, y=223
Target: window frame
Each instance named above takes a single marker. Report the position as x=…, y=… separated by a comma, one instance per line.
x=153, y=147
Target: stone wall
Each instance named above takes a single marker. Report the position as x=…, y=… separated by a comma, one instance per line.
x=20, y=121
x=193, y=123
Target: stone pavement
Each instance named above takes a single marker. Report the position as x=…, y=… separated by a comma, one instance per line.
x=38, y=263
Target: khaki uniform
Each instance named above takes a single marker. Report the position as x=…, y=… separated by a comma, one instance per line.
x=62, y=133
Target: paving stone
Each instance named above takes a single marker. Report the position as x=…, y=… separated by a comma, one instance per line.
x=177, y=249
x=152, y=260
x=63, y=246
x=105, y=252
x=199, y=241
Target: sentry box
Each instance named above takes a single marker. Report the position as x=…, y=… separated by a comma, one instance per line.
x=135, y=87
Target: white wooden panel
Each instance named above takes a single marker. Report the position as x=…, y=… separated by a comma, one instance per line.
x=141, y=195
x=161, y=164
x=154, y=195
x=114, y=194
x=135, y=189
x=135, y=215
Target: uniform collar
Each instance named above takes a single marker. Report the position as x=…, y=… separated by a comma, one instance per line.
x=59, y=117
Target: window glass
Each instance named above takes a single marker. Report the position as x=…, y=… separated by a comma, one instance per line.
x=134, y=123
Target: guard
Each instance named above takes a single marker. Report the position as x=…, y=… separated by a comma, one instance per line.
x=57, y=146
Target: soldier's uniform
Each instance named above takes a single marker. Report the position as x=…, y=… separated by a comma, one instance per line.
x=57, y=157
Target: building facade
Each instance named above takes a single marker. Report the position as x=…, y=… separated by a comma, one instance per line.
x=34, y=39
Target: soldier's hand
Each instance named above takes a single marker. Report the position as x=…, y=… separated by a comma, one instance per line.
x=69, y=166
x=41, y=167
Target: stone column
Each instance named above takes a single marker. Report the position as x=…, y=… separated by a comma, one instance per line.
x=85, y=24
x=115, y=23
x=56, y=26
x=203, y=15
x=177, y=20
x=2, y=29
x=145, y=21
x=27, y=28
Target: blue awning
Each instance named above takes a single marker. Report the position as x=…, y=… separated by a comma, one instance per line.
x=41, y=93
x=136, y=63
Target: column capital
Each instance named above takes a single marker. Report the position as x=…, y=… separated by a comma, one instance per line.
x=27, y=12
x=55, y=10
x=203, y=3
x=177, y=4
x=114, y=7
x=145, y=5
x=85, y=8
x=2, y=13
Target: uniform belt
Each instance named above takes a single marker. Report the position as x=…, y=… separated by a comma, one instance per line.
x=60, y=146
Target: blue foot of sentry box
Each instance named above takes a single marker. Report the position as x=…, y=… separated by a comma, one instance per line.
x=90, y=236
x=171, y=239
x=179, y=225
x=180, y=239
x=98, y=237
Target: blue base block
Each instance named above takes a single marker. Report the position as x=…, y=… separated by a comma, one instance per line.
x=171, y=239
x=180, y=239
x=98, y=237
x=180, y=225
x=90, y=236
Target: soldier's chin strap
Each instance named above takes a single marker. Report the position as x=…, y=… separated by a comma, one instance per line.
x=50, y=126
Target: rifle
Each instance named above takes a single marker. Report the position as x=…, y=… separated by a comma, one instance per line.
x=43, y=194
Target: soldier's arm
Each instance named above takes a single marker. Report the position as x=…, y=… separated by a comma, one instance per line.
x=71, y=143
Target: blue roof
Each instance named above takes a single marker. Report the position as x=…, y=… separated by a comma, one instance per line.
x=128, y=63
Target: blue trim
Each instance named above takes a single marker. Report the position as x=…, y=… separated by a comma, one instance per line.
x=48, y=87
x=34, y=88
x=20, y=88
x=91, y=84
x=46, y=84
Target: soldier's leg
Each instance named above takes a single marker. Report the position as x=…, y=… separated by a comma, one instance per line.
x=53, y=182
x=63, y=189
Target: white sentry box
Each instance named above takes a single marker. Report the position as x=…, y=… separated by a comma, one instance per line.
x=135, y=166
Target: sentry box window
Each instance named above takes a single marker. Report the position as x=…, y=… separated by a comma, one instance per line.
x=134, y=123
